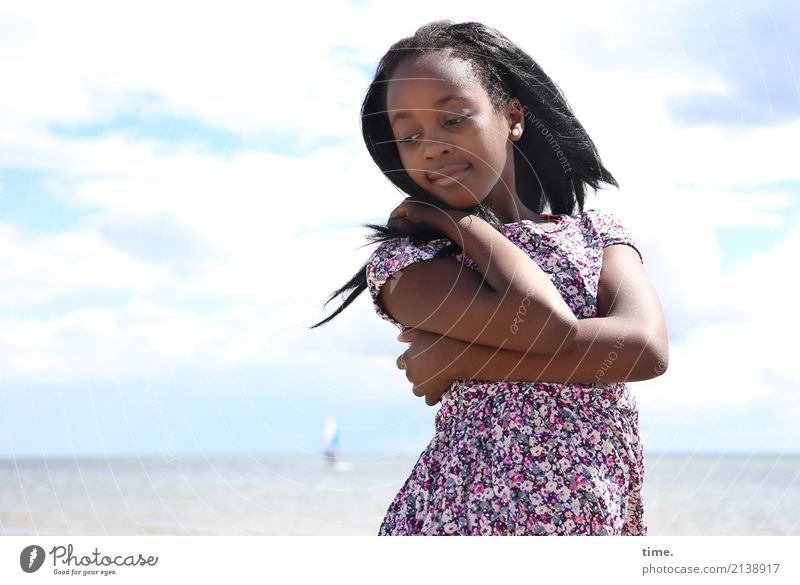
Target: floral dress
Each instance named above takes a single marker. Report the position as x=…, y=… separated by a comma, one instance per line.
x=519, y=457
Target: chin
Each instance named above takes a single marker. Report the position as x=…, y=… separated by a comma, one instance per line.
x=461, y=199
x=457, y=202
x=467, y=200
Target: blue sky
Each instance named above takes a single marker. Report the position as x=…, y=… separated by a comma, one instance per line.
x=179, y=195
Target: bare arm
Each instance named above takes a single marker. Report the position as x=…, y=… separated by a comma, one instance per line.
x=628, y=342
x=442, y=296
x=606, y=349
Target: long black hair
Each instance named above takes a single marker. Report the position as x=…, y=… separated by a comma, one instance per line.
x=554, y=159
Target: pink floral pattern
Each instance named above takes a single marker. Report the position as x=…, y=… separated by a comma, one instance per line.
x=526, y=458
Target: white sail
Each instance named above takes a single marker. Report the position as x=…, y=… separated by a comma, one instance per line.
x=330, y=435
x=330, y=445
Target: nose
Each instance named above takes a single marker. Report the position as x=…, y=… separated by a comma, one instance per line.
x=436, y=147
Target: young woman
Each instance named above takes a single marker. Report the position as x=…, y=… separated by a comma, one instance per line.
x=525, y=325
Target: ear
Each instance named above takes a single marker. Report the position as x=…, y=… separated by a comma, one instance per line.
x=516, y=115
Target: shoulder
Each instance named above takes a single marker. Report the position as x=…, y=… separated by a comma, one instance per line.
x=393, y=255
x=606, y=228
x=600, y=219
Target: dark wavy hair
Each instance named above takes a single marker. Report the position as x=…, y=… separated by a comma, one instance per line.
x=505, y=71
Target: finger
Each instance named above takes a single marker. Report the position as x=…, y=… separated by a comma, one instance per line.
x=398, y=212
x=397, y=222
x=406, y=335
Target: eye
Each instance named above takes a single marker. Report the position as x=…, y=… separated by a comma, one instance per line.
x=455, y=121
x=458, y=120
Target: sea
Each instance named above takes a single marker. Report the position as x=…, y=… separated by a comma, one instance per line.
x=683, y=495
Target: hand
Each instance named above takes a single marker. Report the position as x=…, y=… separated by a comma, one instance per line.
x=418, y=212
x=427, y=363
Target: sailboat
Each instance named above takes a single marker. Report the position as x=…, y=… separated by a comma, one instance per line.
x=330, y=445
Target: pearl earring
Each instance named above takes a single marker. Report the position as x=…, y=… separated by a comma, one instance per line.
x=515, y=132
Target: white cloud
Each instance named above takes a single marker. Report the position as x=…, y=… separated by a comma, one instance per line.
x=43, y=269
x=257, y=225
x=731, y=357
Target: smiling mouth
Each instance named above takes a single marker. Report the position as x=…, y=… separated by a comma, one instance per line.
x=451, y=178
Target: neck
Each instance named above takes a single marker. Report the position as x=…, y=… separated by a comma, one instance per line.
x=509, y=208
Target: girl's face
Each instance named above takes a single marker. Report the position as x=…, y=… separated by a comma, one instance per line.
x=438, y=134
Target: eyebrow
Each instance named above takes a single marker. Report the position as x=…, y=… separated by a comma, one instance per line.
x=399, y=115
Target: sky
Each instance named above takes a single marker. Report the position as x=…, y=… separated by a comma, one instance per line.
x=182, y=186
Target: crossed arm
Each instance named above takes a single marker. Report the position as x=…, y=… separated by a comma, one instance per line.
x=628, y=341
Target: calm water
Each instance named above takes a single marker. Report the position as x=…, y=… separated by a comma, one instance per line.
x=699, y=495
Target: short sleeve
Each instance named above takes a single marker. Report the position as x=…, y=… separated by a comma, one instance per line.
x=610, y=230
x=392, y=256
